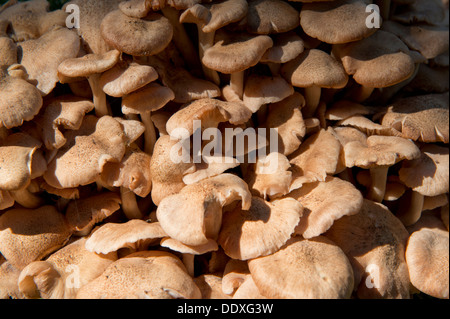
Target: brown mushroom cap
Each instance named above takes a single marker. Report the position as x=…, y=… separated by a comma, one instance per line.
x=374, y=241
x=150, y=98
x=301, y=270
x=324, y=203
x=138, y=37
x=153, y=274
x=339, y=21
x=261, y=230
x=8, y=51
x=271, y=16
x=286, y=47
x=28, y=235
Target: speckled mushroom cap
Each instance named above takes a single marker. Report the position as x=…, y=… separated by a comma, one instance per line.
x=194, y=215
x=261, y=230
x=423, y=118
x=138, y=37
x=81, y=160
x=301, y=270
x=286, y=47
x=325, y=202
x=153, y=274
x=429, y=173
x=339, y=21
x=19, y=100
x=28, y=235
x=374, y=241
x=315, y=68
x=427, y=256
x=135, y=8
x=8, y=51
x=134, y=234
x=221, y=56
x=271, y=16
x=378, y=61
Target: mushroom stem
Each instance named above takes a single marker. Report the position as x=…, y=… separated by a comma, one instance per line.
x=26, y=198
x=362, y=93
x=312, y=98
x=205, y=41
x=149, y=133
x=274, y=68
x=237, y=83
x=378, y=184
x=412, y=214
x=129, y=204
x=188, y=261
x=99, y=97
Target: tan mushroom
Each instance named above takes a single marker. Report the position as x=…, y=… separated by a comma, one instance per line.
x=211, y=286
x=8, y=51
x=9, y=289
x=234, y=275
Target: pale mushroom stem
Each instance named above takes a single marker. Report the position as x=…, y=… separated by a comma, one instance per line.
x=149, y=133
x=237, y=83
x=362, y=93
x=378, y=184
x=99, y=97
x=412, y=214
x=27, y=199
x=205, y=41
x=188, y=261
x=312, y=98
x=129, y=204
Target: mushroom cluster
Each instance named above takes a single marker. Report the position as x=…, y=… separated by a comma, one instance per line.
x=350, y=199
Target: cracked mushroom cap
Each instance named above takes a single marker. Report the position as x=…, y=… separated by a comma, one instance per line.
x=301, y=270
x=261, y=230
x=153, y=274
x=52, y=278
x=19, y=100
x=429, y=173
x=8, y=51
x=374, y=241
x=271, y=16
x=315, y=67
x=378, y=61
x=27, y=235
x=81, y=160
x=339, y=21
x=41, y=57
x=138, y=37
x=61, y=113
x=134, y=234
x=222, y=55
x=194, y=215
x=324, y=203
x=316, y=158
x=423, y=118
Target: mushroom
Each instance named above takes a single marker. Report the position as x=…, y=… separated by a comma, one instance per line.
x=27, y=235
x=63, y=273
x=312, y=70
x=301, y=270
x=260, y=230
x=194, y=215
x=143, y=275
x=211, y=286
x=8, y=52
x=248, y=290
x=374, y=241
x=234, y=275
x=9, y=288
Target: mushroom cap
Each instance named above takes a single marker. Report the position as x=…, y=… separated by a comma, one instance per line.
x=374, y=241
x=81, y=160
x=338, y=21
x=138, y=37
x=324, y=203
x=135, y=8
x=421, y=11
x=429, y=173
x=301, y=270
x=368, y=126
x=378, y=61
x=379, y=151
x=261, y=230
x=271, y=16
x=10, y=275
x=209, y=167
x=427, y=256
x=317, y=157
x=6, y=200
x=19, y=100
x=194, y=215
x=41, y=57
x=27, y=235
x=8, y=51
x=343, y=109
x=261, y=89
x=153, y=274
x=286, y=47
x=133, y=234
x=222, y=55
x=84, y=213
x=423, y=118
x=122, y=79
x=178, y=246
x=211, y=286
x=150, y=98
x=315, y=67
